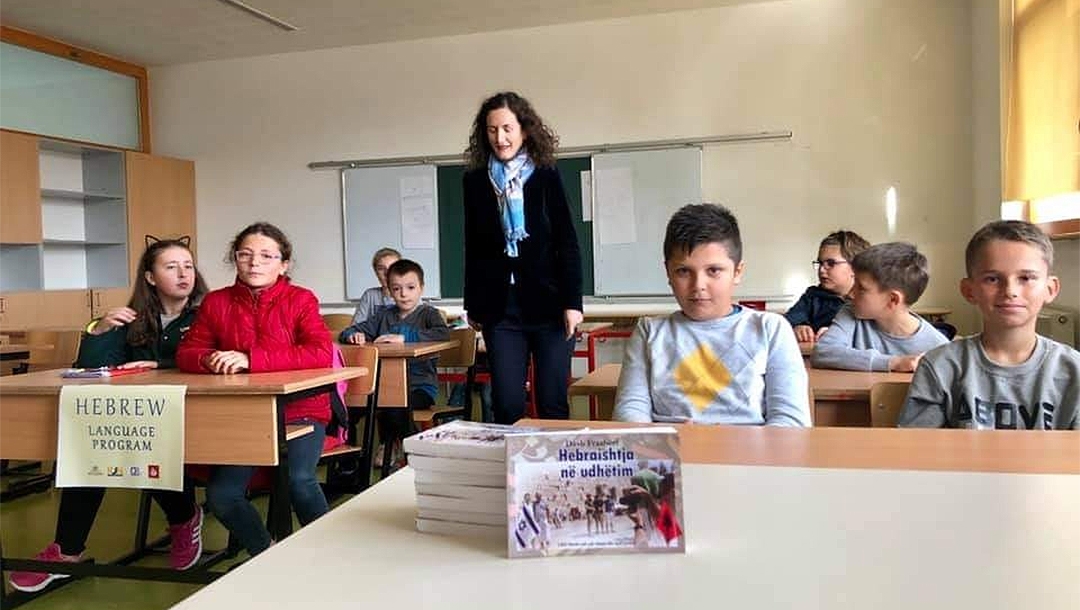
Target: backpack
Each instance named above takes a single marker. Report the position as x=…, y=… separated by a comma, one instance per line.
x=337, y=431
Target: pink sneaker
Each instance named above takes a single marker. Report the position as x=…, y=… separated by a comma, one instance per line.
x=186, y=545
x=32, y=582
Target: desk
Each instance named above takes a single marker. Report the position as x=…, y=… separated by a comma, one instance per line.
x=841, y=398
x=757, y=537
x=393, y=369
x=228, y=419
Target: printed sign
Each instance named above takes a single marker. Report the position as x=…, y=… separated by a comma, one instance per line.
x=121, y=436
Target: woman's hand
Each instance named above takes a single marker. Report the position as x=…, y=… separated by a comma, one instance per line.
x=139, y=364
x=228, y=362
x=390, y=339
x=357, y=339
x=804, y=333
x=572, y=318
x=118, y=316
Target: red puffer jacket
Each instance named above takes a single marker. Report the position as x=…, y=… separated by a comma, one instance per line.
x=280, y=329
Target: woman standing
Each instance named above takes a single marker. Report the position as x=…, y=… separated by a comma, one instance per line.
x=522, y=263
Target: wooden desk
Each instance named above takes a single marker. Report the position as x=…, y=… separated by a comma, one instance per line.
x=836, y=538
x=393, y=367
x=228, y=419
x=841, y=398
x=932, y=313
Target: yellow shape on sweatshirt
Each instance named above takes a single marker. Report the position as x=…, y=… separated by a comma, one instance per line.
x=701, y=376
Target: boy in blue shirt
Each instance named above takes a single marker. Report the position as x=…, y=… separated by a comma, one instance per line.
x=408, y=320
x=713, y=361
x=878, y=331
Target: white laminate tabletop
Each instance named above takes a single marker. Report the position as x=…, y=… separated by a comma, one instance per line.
x=757, y=537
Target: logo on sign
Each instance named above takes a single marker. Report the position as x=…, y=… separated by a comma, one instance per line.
x=116, y=471
x=94, y=471
x=133, y=471
x=153, y=471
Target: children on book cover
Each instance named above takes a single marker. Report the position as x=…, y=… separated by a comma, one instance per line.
x=594, y=492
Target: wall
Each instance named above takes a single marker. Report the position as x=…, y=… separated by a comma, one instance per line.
x=877, y=93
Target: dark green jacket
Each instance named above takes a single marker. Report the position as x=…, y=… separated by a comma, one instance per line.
x=112, y=348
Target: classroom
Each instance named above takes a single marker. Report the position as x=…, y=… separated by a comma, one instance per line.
x=916, y=121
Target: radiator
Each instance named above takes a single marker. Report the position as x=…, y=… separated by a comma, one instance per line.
x=1057, y=324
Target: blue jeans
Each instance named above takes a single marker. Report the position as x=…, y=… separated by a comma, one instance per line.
x=227, y=492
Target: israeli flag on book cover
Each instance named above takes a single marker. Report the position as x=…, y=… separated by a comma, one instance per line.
x=525, y=530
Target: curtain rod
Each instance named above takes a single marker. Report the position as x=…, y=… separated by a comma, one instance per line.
x=572, y=151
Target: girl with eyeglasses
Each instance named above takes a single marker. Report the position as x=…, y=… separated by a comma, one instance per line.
x=145, y=333
x=814, y=311
x=263, y=323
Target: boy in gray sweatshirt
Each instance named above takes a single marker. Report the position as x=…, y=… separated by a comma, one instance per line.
x=713, y=361
x=878, y=331
x=1007, y=377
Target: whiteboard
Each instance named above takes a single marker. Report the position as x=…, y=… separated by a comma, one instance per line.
x=390, y=207
x=634, y=195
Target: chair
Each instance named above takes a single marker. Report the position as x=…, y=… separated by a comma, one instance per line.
x=886, y=400
x=462, y=357
x=349, y=465
x=337, y=322
x=52, y=349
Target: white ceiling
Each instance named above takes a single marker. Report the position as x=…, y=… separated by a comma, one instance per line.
x=164, y=32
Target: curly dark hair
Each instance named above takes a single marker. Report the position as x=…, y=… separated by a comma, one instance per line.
x=540, y=140
x=260, y=228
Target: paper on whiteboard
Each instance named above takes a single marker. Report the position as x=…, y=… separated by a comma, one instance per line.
x=417, y=213
x=586, y=196
x=614, y=206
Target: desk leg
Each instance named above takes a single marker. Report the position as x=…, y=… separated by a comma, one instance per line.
x=280, y=504
x=393, y=382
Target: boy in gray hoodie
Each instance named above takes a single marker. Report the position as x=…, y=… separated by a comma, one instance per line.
x=878, y=331
x=1007, y=377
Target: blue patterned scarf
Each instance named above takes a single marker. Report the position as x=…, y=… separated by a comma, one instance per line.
x=509, y=179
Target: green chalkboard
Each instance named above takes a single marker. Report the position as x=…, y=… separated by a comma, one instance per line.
x=452, y=224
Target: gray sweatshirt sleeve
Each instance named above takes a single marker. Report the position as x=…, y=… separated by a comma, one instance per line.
x=366, y=306
x=927, y=400
x=787, y=399
x=834, y=349
x=633, y=401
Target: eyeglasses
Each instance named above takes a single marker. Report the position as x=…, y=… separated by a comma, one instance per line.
x=828, y=263
x=246, y=256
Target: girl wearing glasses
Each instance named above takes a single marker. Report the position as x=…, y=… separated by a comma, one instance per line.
x=145, y=333
x=263, y=323
x=814, y=311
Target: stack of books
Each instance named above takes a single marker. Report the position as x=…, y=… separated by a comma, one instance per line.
x=460, y=473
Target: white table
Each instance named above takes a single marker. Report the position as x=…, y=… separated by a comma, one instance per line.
x=758, y=537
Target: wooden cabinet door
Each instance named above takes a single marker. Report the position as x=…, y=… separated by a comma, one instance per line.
x=104, y=299
x=161, y=201
x=63, y=309
x=20, y=189
x=20, y=310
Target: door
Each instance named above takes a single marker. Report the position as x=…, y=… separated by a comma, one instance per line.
x=20, y=189
x=104, y=299
x=161, y=201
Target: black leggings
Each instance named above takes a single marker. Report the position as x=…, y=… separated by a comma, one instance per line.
x=79, y=507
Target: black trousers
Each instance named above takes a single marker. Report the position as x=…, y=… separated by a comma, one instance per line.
x=79, y=507
x=510, y=343
x=396, y=424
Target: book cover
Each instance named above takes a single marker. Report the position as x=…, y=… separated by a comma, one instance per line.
x=464, y=516
x=491, y=495
x=454, y=528
x=469, y=505
x=457, y=465
x=594, y=491
x=497, y=479
x=463, y=440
